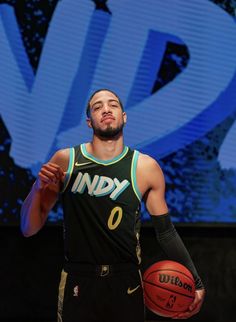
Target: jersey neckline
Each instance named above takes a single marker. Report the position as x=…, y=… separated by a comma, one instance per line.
x=89, y=156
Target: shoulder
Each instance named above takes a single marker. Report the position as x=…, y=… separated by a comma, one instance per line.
x=149, y=172
x=147, y=162
x=61, y=155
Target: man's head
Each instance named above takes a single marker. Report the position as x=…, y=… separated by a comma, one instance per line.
x=105, y=114
x=102, y=90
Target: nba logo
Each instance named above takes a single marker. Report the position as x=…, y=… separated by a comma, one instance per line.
x=171, y=301
x=76, y=290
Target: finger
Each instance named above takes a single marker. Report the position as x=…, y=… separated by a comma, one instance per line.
x=55, y=168
x=185, y=315
x=53, y=165
x=63, y=175
x=46, y=179
x=182, y=316
x=179, y=317
x=52, y=171
x=49, y=177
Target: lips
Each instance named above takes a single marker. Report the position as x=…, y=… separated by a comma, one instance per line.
x=107, y=118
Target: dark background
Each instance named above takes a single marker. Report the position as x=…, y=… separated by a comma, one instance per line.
x=30, y=271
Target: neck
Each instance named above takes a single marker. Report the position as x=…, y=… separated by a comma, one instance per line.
x=105, y=149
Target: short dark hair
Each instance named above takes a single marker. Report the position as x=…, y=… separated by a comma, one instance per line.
x=97, y=91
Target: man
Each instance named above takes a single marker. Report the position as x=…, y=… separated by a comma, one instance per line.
x=101, y=184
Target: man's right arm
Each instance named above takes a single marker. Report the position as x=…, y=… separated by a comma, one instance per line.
x=43, y=194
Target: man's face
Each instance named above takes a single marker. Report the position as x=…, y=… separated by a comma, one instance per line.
x=106, y=116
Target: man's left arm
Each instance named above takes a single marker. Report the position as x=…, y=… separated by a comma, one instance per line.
x=167, y=236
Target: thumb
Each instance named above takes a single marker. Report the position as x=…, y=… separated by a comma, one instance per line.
x=63, y=175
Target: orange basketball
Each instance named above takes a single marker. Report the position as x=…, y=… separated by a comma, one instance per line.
x=169, y=288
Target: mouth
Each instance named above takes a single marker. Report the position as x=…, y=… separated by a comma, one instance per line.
x=107, y=118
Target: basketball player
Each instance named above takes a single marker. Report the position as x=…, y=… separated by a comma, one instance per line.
x=101, y=184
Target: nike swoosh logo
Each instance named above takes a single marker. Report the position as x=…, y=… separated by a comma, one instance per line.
x=81, y=164
x=132, y=290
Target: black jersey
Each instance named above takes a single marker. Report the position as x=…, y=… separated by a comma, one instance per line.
x=101, y=204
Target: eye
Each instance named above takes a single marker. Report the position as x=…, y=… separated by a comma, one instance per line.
x=97, y=107
x=114, y=104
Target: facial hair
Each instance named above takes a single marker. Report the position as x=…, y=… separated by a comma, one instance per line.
x=109, y=133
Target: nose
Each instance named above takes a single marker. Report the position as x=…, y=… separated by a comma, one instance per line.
x=106, y=108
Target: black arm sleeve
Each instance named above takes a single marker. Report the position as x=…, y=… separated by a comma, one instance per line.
x=173, y=246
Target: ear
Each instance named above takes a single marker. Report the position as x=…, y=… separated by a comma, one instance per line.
x=124, y=117
x=88, y=120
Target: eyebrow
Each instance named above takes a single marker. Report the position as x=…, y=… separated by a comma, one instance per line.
x=109, y=101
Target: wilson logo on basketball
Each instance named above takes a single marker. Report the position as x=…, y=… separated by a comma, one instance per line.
x=170, y=279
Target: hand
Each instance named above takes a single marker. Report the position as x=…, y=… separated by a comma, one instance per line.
x=195, y=307
x=50, y=173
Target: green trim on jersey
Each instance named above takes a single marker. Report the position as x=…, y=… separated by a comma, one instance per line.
x=133, y=175
x=104, y=162
x=69, y=169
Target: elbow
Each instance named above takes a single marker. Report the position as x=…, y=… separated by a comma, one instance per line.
x=26, y=226
x=31, y=222
x=23, y=226
x=27, y=231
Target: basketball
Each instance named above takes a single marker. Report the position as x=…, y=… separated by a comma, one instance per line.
x=169, y=288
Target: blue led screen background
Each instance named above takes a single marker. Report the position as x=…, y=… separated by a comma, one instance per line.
x=173, y=64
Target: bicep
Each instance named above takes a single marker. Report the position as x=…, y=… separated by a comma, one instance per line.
x=154, y=196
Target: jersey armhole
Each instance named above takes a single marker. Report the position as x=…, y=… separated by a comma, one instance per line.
x=133, y=175
x=69, y=169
